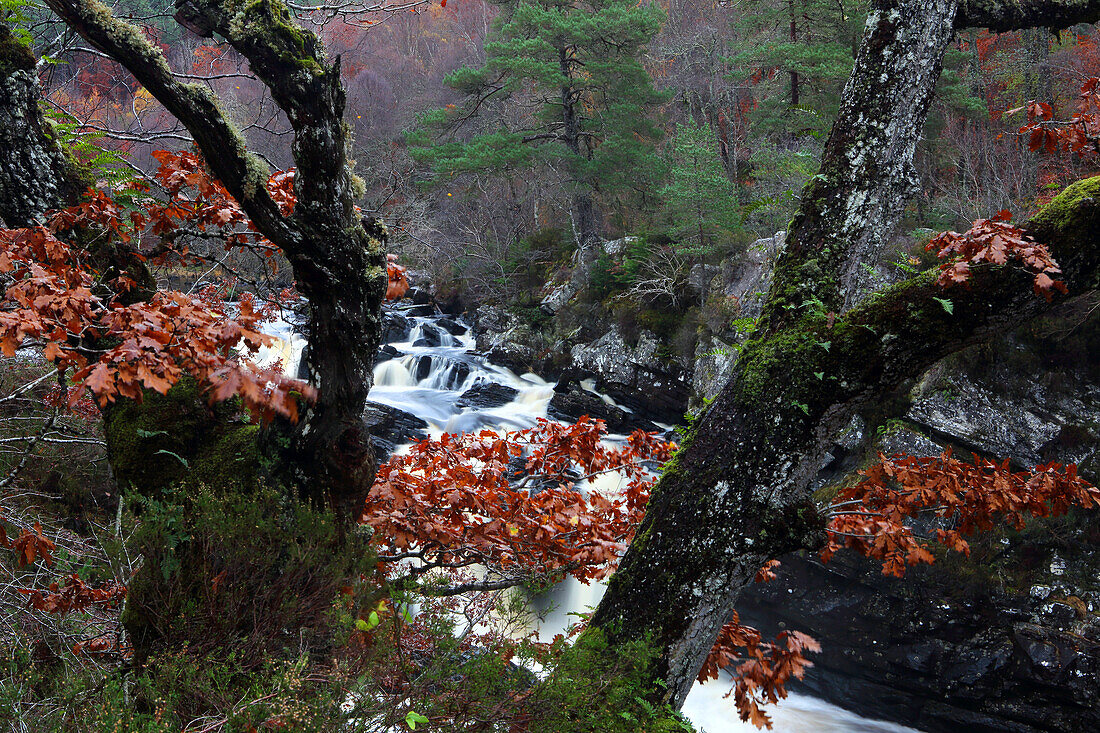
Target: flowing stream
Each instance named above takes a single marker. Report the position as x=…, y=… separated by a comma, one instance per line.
x=427, y=377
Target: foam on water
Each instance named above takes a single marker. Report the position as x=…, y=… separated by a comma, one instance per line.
x=451, y=369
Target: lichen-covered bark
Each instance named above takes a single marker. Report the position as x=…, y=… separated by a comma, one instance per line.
x=1008, y=15
x=339, y=264
x=854, y=203
x=35, y=173
x=738, y=493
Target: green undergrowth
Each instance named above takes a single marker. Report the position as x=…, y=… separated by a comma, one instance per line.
x=597, y=688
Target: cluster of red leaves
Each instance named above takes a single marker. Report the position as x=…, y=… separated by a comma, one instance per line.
x=995, y=241
x=398, y=283
x=761, y=669
x=871, y=517
x=50, y=297
x=201, y=203
x=29, y=546
x=1080, y=134
x=71, y=401
x=73, y=595
x=460, y=500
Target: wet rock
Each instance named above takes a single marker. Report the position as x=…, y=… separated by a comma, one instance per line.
x=635, y=376
x=451, y=326
x=390, y=428
x=487, y=396
x=386, y=353
x=431, y=335
x=396, y=327
x=448, y=373
x=930, y=652
x=571, y=401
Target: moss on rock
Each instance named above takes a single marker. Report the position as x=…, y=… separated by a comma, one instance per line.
x=179, y=438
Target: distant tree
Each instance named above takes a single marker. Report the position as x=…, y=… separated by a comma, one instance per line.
x=699, y=199
x=566, y=84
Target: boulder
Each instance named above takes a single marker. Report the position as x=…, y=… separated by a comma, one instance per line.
x=487, y=395
x=504, y=339
x=635, y=376
x=390, y=428
x=570, y=401
x=396, y=326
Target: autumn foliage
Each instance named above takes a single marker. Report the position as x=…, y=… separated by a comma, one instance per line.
x=63, y=300
x=512, y=502
x=995, y=241
x=1079, y=135
x=960, y=498
x=760, y=669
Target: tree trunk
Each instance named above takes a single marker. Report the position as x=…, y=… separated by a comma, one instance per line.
x=338, y=264
x=738, y=491
x=35, y=173
x=583, y=211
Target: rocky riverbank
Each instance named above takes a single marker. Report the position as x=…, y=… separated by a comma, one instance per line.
x=1008, y=640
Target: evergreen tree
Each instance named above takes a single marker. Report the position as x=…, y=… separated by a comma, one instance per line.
x=563, y=86
x=700, y=201
x=797, y=54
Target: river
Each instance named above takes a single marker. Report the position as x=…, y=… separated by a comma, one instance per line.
x=429, y=371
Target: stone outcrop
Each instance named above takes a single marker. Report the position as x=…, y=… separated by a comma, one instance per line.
x=1009, y=639
x=636, y=376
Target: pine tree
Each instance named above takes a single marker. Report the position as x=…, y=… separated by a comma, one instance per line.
x=699, y=199
x=563, y=86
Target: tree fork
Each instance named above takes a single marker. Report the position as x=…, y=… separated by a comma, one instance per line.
x=338, y=265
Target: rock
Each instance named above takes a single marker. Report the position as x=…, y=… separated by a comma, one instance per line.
x=558, y=296
x=417, y=296
x=386, y=353
x=1005, y=641
x=390, y=428
x=432, y=335
x=700, y=277
x=930, y=651
x=416, y=311
x=506, y=340
x=571, y=401
x=396, y=327
x=634, y=375
x=487, y=395
x=743, y=284
x=451, y=326
x=618, y=247
x=446, y=373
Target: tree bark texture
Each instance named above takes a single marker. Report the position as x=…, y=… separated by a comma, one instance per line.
x=339, y=265
x=738, y=492
x=35, y=173
x=851, y=207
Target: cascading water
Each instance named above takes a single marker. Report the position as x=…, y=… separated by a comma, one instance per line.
x=434, y=375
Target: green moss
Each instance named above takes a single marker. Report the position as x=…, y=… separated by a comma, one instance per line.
x=180, y=438
x=271, y=21
x=1061, y=213
x=14, y=55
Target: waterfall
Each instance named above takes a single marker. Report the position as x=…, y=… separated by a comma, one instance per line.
x=432, y=382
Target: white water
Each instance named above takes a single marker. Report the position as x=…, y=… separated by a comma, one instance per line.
x=454, y=368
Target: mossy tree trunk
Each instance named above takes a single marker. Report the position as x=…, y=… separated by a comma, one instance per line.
x=35, y=173
x=338, y=260
x=738, y=493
